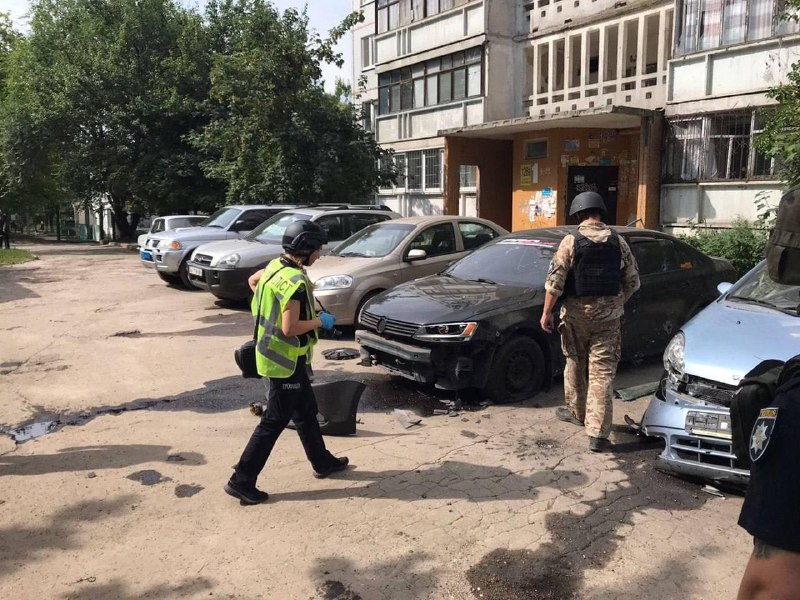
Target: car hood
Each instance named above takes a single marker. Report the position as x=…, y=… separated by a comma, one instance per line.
x=191, y=234
x=729, y=338
x=251, y=254
x=345, y=265
x=439, y=298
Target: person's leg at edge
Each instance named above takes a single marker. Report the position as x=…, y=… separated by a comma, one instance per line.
x=575, y=349
x=305, y=418
x=280, y=406
x=604, y=354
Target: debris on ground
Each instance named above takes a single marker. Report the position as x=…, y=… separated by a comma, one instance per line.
x=406, y=418
x=341, y=353
x=636, y=391
x=710, y=489
x=131, y=333
x=632, y=425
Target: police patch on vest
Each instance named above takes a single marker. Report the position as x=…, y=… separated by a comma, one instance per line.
x=762, y=432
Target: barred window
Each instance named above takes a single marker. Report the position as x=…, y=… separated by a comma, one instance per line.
x=453, y=77
x=433, y=169
x=718, y=146
x=414, y=166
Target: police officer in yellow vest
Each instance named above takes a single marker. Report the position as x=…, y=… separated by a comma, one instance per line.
x=287, y=324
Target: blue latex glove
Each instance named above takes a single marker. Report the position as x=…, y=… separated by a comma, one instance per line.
x=327, y=319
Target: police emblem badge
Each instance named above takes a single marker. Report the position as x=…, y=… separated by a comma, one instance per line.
x=762, y=430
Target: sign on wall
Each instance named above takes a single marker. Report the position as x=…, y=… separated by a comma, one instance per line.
x=529, y=174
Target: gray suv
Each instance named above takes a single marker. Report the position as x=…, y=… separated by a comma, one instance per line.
x=223, y=268
x=169, y=251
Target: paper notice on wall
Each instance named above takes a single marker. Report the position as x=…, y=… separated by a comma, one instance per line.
x=529, y=174
x=542, y=205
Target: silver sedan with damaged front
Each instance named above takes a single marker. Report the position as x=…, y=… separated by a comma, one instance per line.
x=753, y=320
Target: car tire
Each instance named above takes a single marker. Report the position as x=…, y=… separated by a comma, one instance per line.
x=170, y=279
x=517, y=371
x=183, y=274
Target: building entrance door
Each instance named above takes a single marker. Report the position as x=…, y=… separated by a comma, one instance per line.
x=602, y=180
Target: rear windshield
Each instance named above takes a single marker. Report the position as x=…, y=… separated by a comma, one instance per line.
x=374, y=241
x=513, y=261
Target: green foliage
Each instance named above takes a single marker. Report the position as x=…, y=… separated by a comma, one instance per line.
x=743, y=244
x=15, y=257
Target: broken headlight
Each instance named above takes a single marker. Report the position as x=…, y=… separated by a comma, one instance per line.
x=673, y=357
x=446, y=331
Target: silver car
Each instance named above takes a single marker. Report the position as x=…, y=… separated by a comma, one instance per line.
x=753, y=320
x=387, y=254
x=170, y=223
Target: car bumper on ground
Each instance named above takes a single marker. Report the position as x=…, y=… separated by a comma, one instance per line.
x=697, y=436
x=230, y=284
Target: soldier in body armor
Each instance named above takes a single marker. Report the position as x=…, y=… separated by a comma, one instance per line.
x=596, y=273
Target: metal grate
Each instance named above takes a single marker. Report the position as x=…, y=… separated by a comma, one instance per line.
x=705, y=451
x=202, y=259
x=393, y=327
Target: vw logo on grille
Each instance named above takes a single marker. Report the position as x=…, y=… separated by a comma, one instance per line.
x=381, y=326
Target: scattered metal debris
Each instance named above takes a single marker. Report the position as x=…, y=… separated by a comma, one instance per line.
x=406, y=418
x=636, y=391
x=130, y=333
x=710, y=489
x=341, y=354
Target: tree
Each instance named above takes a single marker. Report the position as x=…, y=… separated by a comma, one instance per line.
x=781, y=134
x=274, y=134
x=113, y=88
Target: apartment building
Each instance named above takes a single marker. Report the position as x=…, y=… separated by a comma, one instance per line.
x=508, y=108
x=727, y=55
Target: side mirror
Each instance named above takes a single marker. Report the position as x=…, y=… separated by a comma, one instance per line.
x=723, y=287
x=416, y=254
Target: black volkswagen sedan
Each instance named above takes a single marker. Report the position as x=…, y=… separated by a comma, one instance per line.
x=476, y=324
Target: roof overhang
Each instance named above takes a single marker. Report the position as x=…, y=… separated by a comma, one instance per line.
x=604, y=117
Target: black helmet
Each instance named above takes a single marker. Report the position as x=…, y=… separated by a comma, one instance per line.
x=585, y=201
x=783, y=247
x=304, y=237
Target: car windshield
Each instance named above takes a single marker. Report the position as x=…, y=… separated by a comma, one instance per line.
x=758, y=288
x=271, y=230
x=512, y=261
x=223, y=217
x=375, y=241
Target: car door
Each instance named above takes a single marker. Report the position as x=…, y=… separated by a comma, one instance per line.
x=439, y=243
x=671, y=285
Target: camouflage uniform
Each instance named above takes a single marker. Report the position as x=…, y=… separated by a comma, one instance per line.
x=590, y=333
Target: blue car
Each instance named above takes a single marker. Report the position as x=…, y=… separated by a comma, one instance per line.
x=753, y=320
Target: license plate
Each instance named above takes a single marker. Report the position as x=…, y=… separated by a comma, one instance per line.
x=146, y=255
x=710, y=424
x=195, y=271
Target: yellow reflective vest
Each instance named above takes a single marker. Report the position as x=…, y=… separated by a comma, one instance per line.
x=276, y=353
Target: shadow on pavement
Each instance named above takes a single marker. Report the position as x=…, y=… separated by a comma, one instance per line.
x=193, y=587
x=92, y=458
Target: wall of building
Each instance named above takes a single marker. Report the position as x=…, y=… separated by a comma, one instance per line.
x=540, y=186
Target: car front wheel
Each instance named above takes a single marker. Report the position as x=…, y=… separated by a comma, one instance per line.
x=517, y=371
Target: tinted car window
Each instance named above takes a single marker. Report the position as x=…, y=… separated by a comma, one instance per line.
x=358, y=222
x=654, y=255
x=514, y=261
x=436, y=240
x=474, y=235
x=249, y=220
x=334, y=226
x=376, y=240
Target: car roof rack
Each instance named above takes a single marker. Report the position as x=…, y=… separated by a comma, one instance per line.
x=333, y=206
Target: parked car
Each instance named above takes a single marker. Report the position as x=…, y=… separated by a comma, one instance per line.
x=754, y=320
x=223, y=268
x=476, y=324
x=168, y=252
x=171, y=223
x=383, y=255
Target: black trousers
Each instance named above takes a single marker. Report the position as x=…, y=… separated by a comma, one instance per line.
x=288, y=399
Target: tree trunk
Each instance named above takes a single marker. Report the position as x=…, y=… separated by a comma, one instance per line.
x=125, y=233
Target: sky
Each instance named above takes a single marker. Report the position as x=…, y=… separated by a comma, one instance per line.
x=323, y=16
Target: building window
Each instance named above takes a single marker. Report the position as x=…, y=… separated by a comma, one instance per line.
x=391, y=14
x=438, y=81
x=367, y=115
x=535, y=149
x=707, y=24
x=367, y=52
x=468, y=176
x=419, y=170
x=717, y=146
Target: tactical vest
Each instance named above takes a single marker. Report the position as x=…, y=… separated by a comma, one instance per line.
x=783, y=247
x=595, y=267
x=276, y=353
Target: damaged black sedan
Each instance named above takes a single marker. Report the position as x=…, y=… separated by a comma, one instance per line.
x=476, y=324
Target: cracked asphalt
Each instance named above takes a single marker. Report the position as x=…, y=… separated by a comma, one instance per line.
x=123, y=497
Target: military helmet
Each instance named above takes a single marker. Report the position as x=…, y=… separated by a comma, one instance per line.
x=783, y=247
x=586, y=201
x=303, y=237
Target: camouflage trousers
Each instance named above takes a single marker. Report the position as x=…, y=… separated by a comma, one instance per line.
x=592, y=351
